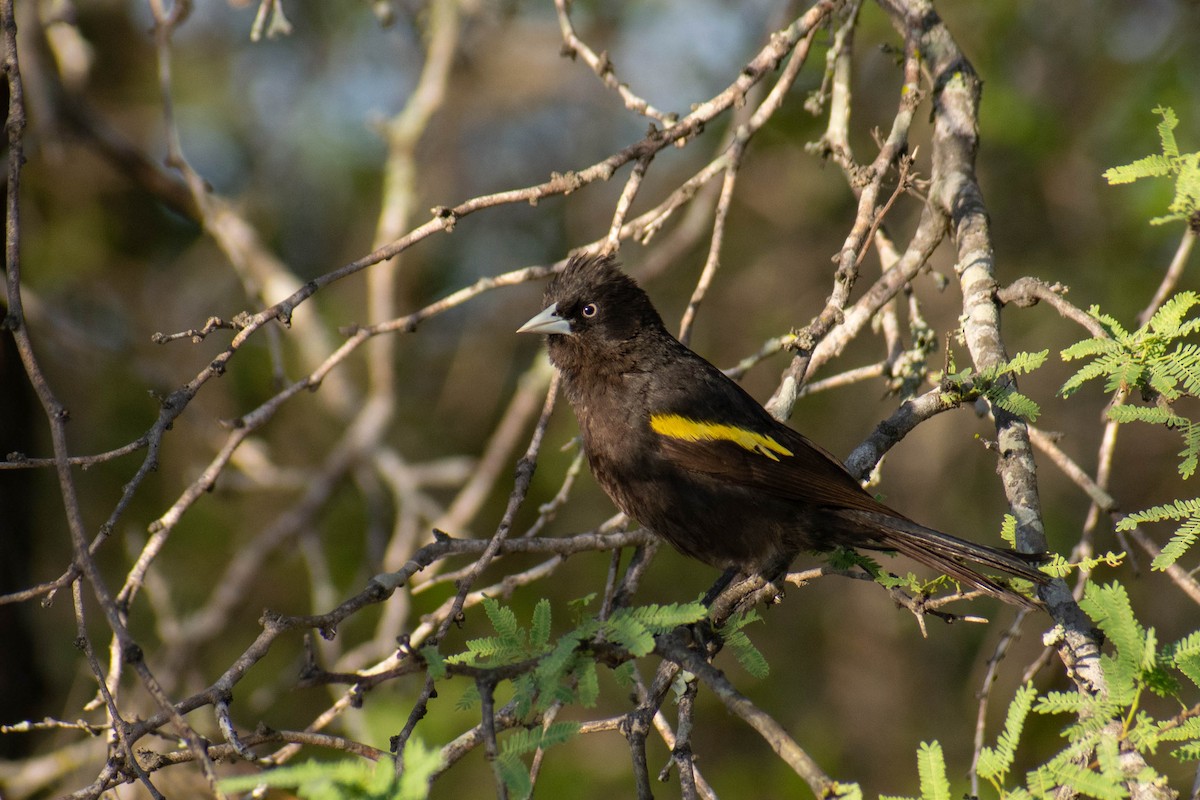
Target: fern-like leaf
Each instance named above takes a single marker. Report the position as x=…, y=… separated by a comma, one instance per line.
x=435, y=663
x=630, y=634
x=1153, y=415
x=1023, y=363
x=1185, y=657
x=1008, y=530
x=1014, y=402
x=1090, y=347
x=1190, y=454
x=1109, y=608
x=931, y=768
x=994, y=763
x=661, y=619
x=587, y=683
x=1059, y=703
x=749, y=656
x=503, y=620
x=1166, y=130
x=1179, y=509
x=1105, y=364
x=1155, y=166
x=539, y=626
x=1168, y=319
x=526, y=741
x=515, y=776
x=1181, y=540
x=468, y=699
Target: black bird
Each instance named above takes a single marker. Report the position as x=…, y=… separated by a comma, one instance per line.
x=688, y=453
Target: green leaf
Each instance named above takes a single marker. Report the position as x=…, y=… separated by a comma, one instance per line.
x=1151, y=414
x=1169, y=317
x=661, y=619
x=1185, y=656
x=1059, y=703
x=539, y=627
x=1023, y=363
x=931, y=767
x=421, y=762
x=1180, y=542
x=347, y=779
x=630, y=634
x=625, y=674
x=1109, y=608
x=515, y=776
x=1184, y=536
x=749, y=656
x=1014, y=402
x=503, y=620
x=1179, y=509
x=468, y=699
x=552, y=669
x=526, y=741
x=845, y=791
x=994, y=764
x=1008, y=530
x=435, y=664
x=1166, y=130
x=588, y=683
x=1185, y=167
x=1155, y=166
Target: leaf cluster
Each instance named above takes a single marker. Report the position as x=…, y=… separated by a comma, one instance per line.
x=349, y=779
x=1153, y=361
x=1183, y=538
x=1105, y=726
x=995, y=383
x=1184, y=167
x=565, y=670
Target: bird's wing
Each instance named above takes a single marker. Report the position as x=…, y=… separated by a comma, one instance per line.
x=713, y=427
x=779, y=462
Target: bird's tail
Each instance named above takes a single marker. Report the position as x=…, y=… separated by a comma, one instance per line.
x=958, y=558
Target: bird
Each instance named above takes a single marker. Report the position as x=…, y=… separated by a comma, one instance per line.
x=688, y=453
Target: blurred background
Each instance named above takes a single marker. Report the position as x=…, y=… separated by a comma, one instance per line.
x=291, y=132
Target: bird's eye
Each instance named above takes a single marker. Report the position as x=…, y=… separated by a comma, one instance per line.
x=589, y=310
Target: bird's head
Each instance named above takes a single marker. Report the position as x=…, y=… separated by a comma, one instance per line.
x=593, y=307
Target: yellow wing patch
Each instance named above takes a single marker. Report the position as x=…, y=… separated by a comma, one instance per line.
x=691, y=430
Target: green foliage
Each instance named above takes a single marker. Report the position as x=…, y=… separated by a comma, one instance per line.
x=1104, y=726
x=516, y=777
x=1152, y=361
x=915, y=586
x=931, y=767
x=843, y=558
x=749, y=656
x=435, y=664
x=349, y=779
x=995, y=762
x=565, y=670
x=1133, y=666
x=1059, y=567
x=1141, y=359
x=1008, y=530
x=1183, y=538
x=995, y=384
x=1185, y=168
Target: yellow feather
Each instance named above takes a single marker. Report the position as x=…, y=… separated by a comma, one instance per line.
x=691, y=430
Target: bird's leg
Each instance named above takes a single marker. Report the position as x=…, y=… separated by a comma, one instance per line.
x=721, y=585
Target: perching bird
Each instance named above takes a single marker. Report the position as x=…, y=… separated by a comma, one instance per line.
x=688, y=453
